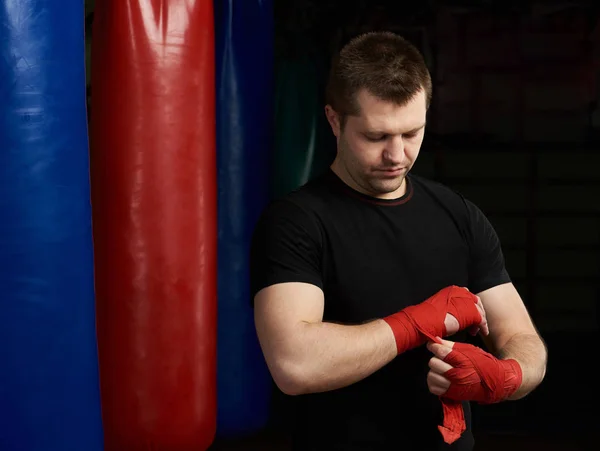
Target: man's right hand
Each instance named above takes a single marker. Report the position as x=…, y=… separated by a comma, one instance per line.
x=446, y=312
x=452, y=325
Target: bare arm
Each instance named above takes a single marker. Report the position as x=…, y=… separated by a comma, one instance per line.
x=514, y=336
x=305, y=354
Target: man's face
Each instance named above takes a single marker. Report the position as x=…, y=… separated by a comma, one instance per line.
x=377, y=148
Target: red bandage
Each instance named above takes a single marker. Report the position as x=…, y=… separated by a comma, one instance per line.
x=413, y=325
x=476, y=376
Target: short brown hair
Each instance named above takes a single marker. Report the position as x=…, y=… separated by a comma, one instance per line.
x=385, y=64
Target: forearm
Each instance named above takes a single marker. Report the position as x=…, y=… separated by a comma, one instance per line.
x=531, y=354
x=328, y=356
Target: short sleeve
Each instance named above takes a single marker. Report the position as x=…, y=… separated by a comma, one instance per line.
x=486, y=264
x=286, y=247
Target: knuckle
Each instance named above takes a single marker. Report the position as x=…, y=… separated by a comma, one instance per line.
x=431, y=384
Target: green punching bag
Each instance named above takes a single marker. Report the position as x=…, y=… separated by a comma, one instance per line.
x=304, y=145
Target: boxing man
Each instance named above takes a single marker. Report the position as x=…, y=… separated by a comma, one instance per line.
x=367, y=280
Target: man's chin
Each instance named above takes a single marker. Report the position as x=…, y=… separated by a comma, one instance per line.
x=387, y=187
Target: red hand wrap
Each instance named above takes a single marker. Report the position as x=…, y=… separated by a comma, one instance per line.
x=476, y=376
x=413, y=325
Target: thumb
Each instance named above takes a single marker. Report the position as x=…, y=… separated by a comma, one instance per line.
x=440, y=348
x=447, y=343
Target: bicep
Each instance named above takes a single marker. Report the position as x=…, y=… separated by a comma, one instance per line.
x=280, y=311
x=506, y=315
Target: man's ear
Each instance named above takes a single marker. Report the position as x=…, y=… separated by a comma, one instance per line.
x=334, y=120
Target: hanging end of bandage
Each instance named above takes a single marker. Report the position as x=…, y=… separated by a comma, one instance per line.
x=454, y=420
x=449, y=435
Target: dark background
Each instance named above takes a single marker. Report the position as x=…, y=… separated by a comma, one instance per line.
x=514, y=126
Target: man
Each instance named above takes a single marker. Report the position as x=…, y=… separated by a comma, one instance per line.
x=357, y=276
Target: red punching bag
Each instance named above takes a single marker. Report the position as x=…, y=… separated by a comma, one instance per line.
x=154, y=217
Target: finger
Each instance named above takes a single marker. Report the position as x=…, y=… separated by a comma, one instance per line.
x=447, y=343
x=440, y=349
x=480, y=309
x=437, y=384
x=485, y=329
x=436, y=339
x=439, y=366
x=483, y=325
x=433, y=345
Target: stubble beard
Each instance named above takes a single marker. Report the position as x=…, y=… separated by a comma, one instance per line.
x=381, y=186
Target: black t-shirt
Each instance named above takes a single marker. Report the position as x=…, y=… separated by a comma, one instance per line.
x=371, y=258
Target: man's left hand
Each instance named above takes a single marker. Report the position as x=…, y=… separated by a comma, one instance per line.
x=437, y=383
x=464, y=372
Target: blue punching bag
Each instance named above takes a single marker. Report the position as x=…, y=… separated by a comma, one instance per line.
x=49, y=395
x=244, y=35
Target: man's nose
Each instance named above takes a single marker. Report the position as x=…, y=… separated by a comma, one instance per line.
x=394, y=151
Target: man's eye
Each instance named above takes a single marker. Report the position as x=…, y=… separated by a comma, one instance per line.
x=375, y=138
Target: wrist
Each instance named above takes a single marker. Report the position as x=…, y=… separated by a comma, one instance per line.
x=513, y=376
x=415, y=324
x=405, y=333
